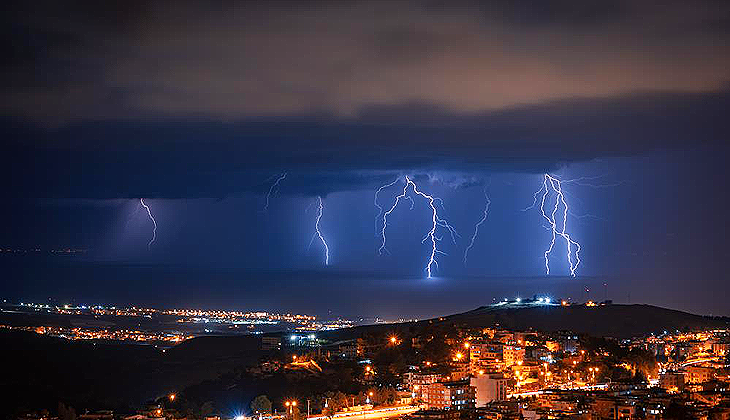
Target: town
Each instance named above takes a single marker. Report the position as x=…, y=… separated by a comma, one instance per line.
x=448, y=372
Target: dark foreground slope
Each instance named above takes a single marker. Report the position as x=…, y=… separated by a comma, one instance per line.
x=39, y=371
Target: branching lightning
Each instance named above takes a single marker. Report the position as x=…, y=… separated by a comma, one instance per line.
x=318, y=233
x=430, y=235
x=485, y=213
x=380, y=208
x=551, y=182
x=154, y=223
x=272, y=190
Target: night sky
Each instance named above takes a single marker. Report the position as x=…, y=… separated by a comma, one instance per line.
x=198, y=108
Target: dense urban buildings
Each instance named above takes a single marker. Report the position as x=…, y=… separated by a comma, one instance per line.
x=459, y=372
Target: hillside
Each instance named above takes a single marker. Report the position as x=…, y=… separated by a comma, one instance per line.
x=619, y=321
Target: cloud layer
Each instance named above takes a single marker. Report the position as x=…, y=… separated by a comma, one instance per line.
x=178, y=99
x=240, y=60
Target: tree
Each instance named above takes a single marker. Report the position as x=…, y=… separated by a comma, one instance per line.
x=261, y=405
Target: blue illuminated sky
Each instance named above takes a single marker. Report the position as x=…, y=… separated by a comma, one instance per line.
x=198, y=110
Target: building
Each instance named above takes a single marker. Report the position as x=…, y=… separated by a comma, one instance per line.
x=699, y=374
x=453, y=395
x=513, y=355
x=415, y=382
x=485, y=357
x=569, y=343
x=672, y=381
x=302, y=340
x=721, y=348
x=460, y=370
x=489, y=387
x=270, y=343
x=613, y=408
x=347, y=350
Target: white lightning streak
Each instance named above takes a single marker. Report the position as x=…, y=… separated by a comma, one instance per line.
x=485, y=213
x=431, y=235
x=275, y=185
x=318, y=233
x=380, y=208
x=556, y=187
x=154, y=223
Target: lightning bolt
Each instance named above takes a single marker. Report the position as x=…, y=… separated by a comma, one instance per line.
x=380, y=208
x=552, y=183
x=272, y=189
x=318, y=233
x=485, y=213
x=154, y=223
x=430, y=235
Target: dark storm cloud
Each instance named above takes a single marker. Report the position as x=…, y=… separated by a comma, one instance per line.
x=227, y=61
x=213, y=159
x=181, y=99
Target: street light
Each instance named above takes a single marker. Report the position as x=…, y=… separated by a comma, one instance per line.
x=290, y=405
x=172, y=397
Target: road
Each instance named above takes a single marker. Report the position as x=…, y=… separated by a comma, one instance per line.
x=377, y=413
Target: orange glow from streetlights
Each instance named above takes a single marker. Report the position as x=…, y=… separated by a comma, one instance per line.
x=459, y=356
x=393, y=339
x=466, y=345
x=172, y=397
